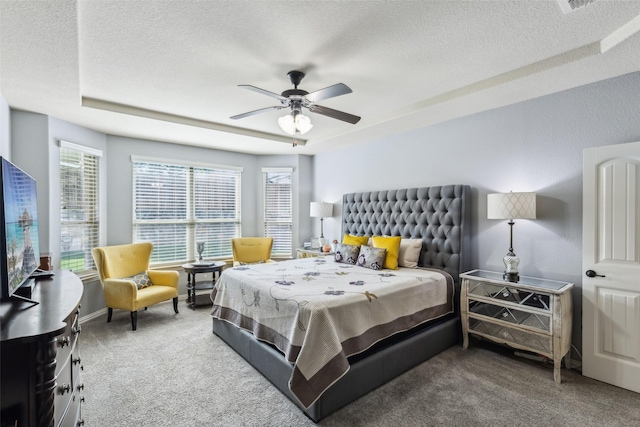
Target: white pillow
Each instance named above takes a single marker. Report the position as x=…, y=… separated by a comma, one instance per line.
x=409, y=252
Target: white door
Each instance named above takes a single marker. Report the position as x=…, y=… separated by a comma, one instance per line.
x=611, y=250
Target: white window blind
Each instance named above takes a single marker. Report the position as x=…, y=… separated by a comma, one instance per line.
x=278, y=209
x=79, y=206
x=176, y=206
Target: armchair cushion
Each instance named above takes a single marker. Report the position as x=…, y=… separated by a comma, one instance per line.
x=141, y=280
x=164, y=277
x=251, y=250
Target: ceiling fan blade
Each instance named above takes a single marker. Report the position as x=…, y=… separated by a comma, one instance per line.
x=265, y=92
x=251, y=113
x=328, y=92
x=334, y=114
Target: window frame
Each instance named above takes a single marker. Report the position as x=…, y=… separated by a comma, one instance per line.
x=193, y=225
x=95, y=220
x=280, y=249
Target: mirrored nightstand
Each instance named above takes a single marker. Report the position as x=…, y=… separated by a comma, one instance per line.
x=530, y=314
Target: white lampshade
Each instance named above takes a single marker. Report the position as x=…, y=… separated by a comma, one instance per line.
x=321, y=209
x=295, y=122
x=303, y=123
x=511, y=206
x=287, y=124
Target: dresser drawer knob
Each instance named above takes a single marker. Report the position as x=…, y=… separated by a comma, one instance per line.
x=65, y=341
x=65, y=388
x=505, y=294
x=80, y=423
x=505, y=314
x=77, y=330
x=80, y=387
x=77, y=360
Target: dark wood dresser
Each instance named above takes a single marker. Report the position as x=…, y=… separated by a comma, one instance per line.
x=41, y=365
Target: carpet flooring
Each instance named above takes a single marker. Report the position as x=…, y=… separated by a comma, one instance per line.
x=173, y=371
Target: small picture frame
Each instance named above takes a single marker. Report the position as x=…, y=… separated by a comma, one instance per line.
x=315, y=243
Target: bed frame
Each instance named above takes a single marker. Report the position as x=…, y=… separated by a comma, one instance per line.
x=440, y=216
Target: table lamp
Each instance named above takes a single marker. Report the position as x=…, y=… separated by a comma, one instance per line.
x=321, y=210
x=511, y=206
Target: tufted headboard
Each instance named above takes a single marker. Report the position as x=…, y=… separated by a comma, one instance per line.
x=440, y=216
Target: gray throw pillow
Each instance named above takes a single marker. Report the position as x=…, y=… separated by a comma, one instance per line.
x=141, y=280
x=347, y=254
x=372, y=258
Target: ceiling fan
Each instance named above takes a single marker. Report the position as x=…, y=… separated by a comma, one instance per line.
x=296, y=99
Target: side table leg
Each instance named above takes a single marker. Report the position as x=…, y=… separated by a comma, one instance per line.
x=188, y=288
x=464, y=314
x=556, y=370
x=193, y=292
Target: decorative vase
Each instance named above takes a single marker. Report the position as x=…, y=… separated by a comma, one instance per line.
x=200, y=249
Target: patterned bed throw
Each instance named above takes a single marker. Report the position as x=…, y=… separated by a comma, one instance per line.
x=318, y=312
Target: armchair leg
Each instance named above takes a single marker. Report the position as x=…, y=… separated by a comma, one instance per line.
x=134, y=320
x=110, y=313
x=175, y=305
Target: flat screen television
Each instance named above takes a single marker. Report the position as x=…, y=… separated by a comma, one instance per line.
x=19, y=236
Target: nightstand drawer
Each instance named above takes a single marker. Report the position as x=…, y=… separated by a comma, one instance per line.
x=508, y=293
x=510, y=335
x=531, y=319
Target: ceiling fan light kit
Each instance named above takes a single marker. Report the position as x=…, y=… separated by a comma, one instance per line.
x=296, y=99
x=295, y=122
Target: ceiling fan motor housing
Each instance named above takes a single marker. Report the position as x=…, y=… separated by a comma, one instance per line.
x=293, y=93
x=296, y=77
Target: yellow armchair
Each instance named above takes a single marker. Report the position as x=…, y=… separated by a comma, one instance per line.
x=251, y=250
x=117, y=264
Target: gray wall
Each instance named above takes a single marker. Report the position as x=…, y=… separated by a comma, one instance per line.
x=531, y=146
x=36, y=149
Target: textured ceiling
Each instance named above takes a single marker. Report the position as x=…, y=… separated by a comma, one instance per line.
x=172, y=68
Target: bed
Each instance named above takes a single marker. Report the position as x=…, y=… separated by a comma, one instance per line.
x=285, y=319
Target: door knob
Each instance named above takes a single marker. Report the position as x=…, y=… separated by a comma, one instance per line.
x=591, y=273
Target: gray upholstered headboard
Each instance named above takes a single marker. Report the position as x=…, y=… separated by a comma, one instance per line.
x=440, y=216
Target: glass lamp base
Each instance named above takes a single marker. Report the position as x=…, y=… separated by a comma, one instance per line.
x=511, y=277
x=511, y=262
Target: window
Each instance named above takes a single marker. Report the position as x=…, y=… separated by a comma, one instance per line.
x=278, y=211
x=177, y=205
x=79, y=206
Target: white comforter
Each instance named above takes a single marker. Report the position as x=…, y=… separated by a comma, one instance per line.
x=318, y=312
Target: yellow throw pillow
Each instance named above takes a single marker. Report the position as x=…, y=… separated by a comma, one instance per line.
x=350, y=239
x=392, y=245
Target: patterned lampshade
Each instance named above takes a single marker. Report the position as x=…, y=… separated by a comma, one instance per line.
x=511, y=206
x=321, y=210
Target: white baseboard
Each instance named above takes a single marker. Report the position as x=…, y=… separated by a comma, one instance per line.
x=93, y=315
x=100, y=312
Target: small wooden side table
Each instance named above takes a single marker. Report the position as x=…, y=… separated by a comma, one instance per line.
x=192, y=284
